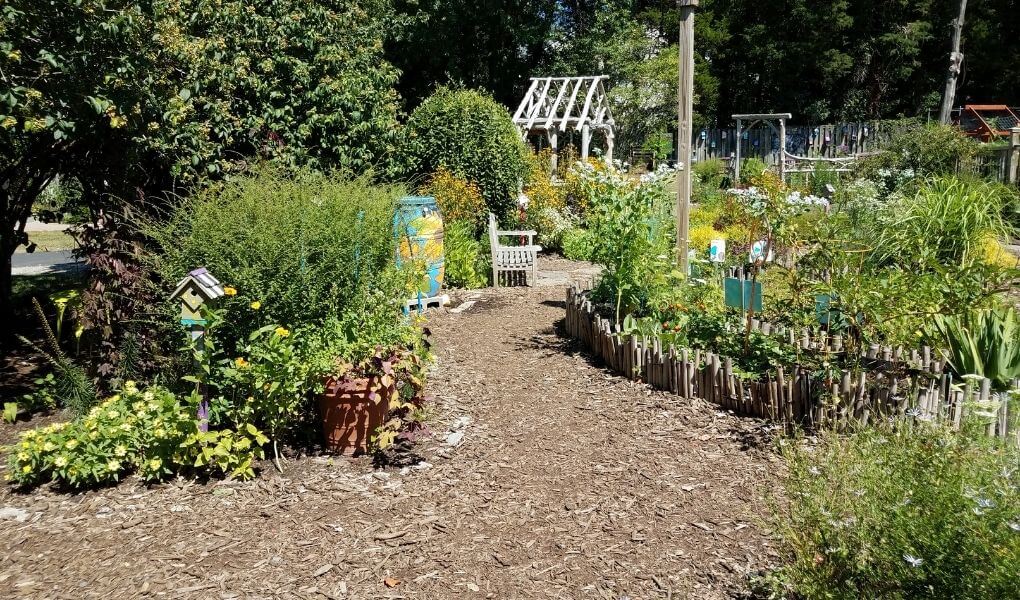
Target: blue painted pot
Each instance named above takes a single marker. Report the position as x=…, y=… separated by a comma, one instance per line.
x=418, y=227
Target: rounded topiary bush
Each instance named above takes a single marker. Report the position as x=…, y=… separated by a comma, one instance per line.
x=472, y=136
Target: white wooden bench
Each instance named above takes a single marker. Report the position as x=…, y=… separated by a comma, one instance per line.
x=513, y=259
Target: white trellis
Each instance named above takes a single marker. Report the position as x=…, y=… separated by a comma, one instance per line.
x=780, y=131
x=555, y=104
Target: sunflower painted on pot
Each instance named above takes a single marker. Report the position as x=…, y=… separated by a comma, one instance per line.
x=418, y=227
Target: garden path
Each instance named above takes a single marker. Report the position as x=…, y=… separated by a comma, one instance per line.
x=548, y=477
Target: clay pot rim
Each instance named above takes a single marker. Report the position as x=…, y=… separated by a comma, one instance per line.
x=346, y=383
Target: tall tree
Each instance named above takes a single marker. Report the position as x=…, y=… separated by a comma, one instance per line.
x=140, y=98
x=490, y=44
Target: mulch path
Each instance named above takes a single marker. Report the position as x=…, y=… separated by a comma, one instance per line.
x=547, y=477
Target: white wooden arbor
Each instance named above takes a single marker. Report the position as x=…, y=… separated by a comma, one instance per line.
x=556, y=104
x=780, y=131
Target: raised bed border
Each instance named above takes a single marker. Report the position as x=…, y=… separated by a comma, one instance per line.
x=794, y=397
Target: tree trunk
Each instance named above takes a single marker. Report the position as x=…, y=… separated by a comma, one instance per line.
x=955, y=60
x=6, y=289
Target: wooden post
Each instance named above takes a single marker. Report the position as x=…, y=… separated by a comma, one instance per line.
x=685, y=117
x=782, y=150
x=585, y=141
x=955, y=60
x=736, y=163
x=553, y=136
x=1014, y=155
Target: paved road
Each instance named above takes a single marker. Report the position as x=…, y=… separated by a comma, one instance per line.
x=37, y=263
x=42, y=259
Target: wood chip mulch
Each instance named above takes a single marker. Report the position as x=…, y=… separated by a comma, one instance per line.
x=546, y=477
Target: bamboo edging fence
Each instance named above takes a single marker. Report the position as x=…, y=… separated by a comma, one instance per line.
x=920, y=388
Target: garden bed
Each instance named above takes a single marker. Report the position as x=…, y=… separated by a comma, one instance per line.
x=567, y=480
x=899, y=384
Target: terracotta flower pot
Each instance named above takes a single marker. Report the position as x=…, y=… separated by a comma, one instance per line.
x=349, y=414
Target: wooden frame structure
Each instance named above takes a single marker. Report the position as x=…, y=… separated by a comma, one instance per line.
x=768, y=120
x=987, y=121
x=556, y=104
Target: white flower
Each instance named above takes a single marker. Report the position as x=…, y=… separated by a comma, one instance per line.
x=522, y=200
x=913, y=561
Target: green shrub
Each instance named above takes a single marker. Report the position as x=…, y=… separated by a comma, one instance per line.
x=474, y=137
x=921, y=150
x=550, y=223
x=303, y=82
x=464, y=268
x=709, y=172
x=151, y=432
x=577, y=244
x=751, y=168
x=921, y=513
x=306, y=247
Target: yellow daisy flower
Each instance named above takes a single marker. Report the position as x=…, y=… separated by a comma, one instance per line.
x=282, y=332
x=256, y=305
x=229, y=291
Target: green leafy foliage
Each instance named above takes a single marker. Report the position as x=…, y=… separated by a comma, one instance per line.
x=633, y=224
x=884, y=513
x=924, y=150
x=132, y=99
x=947, y=221
x=306, y=248
x=983, y=342
x=150, y=432
x=10, y=413
x=70, y=384
x=464, y=265
x=44, y=394
x=577, y=244
x=473, y=137
x=302, y=82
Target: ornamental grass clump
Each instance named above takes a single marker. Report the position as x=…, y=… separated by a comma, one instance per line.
x=917, y=511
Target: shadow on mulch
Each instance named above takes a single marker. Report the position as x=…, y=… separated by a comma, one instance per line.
x=555, y=303
x=554, y=340
x=760, y=437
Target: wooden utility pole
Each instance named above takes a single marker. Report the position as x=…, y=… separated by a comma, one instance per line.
x=685, y=97
x=955, y=60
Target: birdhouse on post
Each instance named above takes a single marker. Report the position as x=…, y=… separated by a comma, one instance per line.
x=195, y=291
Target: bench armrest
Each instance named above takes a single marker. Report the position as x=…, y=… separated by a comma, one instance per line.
x=531, y=233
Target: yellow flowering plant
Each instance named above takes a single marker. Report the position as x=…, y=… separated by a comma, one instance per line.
x=262, y=387
x=152, y=433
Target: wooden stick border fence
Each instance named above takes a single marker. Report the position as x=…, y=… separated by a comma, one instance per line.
x=925, y=391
